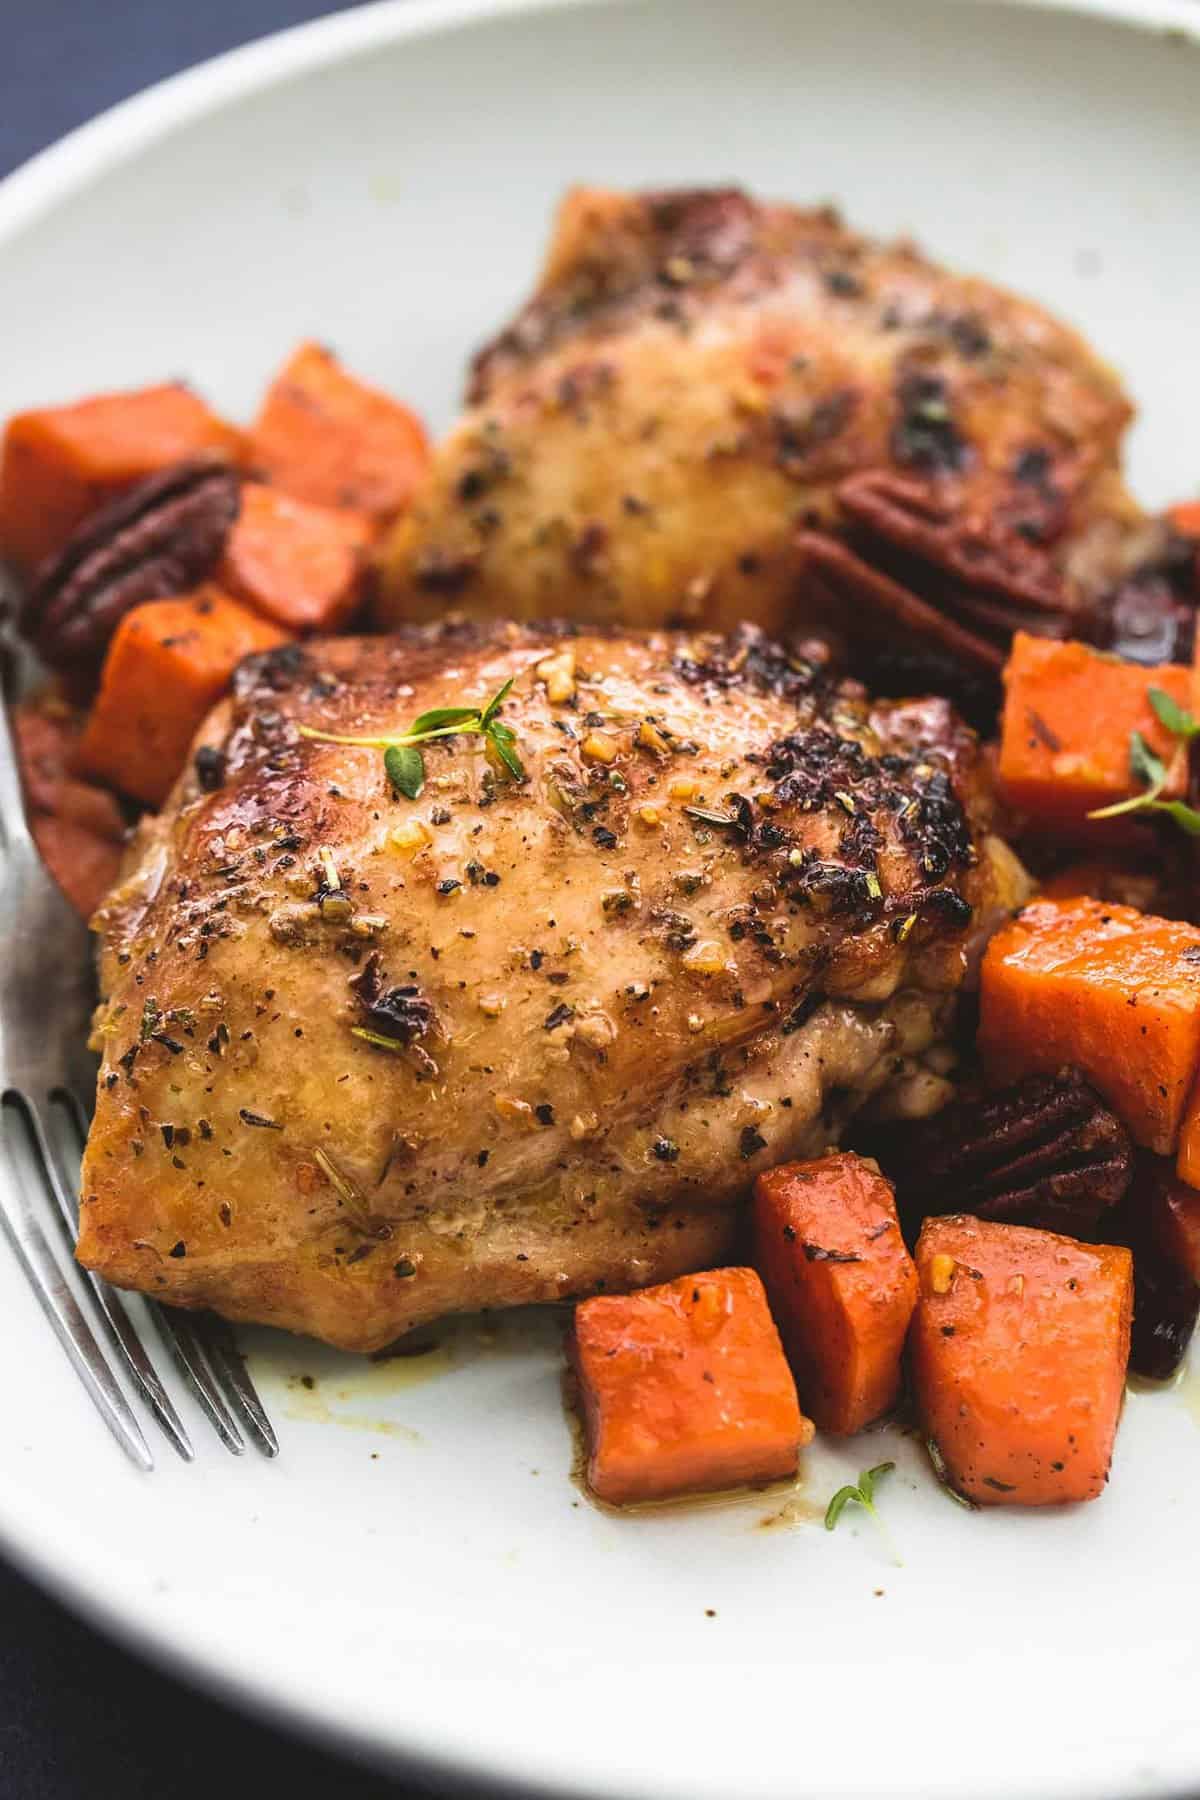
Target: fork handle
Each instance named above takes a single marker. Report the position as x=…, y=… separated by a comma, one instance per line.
x=13, y=824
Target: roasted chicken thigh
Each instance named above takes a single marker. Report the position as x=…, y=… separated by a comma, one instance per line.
x=703, y=387
x=369, y=1059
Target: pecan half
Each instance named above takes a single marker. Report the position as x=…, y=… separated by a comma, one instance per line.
x=918, y=519
x=1166, y=1303
x=161, y=537
x=956, y=584
x=1045, y=1152
x=855, y=582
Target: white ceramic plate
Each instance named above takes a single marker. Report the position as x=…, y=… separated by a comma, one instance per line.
x=417, y=1574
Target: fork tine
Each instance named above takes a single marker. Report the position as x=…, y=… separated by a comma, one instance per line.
x=214, y=1371
x=178, y=1332
x=227, y=1362
x=117, y=1322
x=71, y=1328
x=80, y=1109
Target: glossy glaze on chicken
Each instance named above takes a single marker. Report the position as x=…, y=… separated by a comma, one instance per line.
x=367, y=1060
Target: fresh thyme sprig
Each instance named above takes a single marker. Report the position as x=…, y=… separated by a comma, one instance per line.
x=1150, y=769
x=402, y=758
x=862, y=1493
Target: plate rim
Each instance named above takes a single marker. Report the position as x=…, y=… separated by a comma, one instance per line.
x=35, y=188
x=130, y=125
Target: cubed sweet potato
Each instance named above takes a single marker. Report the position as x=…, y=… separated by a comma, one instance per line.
x=61, y=462
x=684, y=1388
x=1019, y=1347
x=168, y=662
x=298, y=564
x=1069, y=713
x=1111, y=990
x=840, y=1283
x=326, y=436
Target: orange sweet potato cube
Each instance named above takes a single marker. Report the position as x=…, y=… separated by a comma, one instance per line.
x=168, y=663
x=326, y=436
x=298, y=564
x=1019, y=1346
x=685, y=1387
x=1112, y=990
x=1069, y=714
x=59, y=463
x=840, y=1282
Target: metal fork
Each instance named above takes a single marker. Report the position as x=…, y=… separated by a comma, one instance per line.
x=47, y=1078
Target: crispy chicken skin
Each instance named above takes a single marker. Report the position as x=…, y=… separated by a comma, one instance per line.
x=729, y=903
x=695, y=375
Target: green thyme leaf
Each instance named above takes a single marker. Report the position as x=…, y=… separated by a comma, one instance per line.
x=1152, y=770
x=503, y=746
x=860, y=1493
x=405, y=768
x=841, y=1499
x=1147, y=767
x=1144, y=763
x=1177, y=719
x=441, y=717
x=494, y=704
x=867, y=1482
x=1186, y=817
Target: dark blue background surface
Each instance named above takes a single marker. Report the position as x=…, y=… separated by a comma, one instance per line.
x=79, y=1719
x=65, y=60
